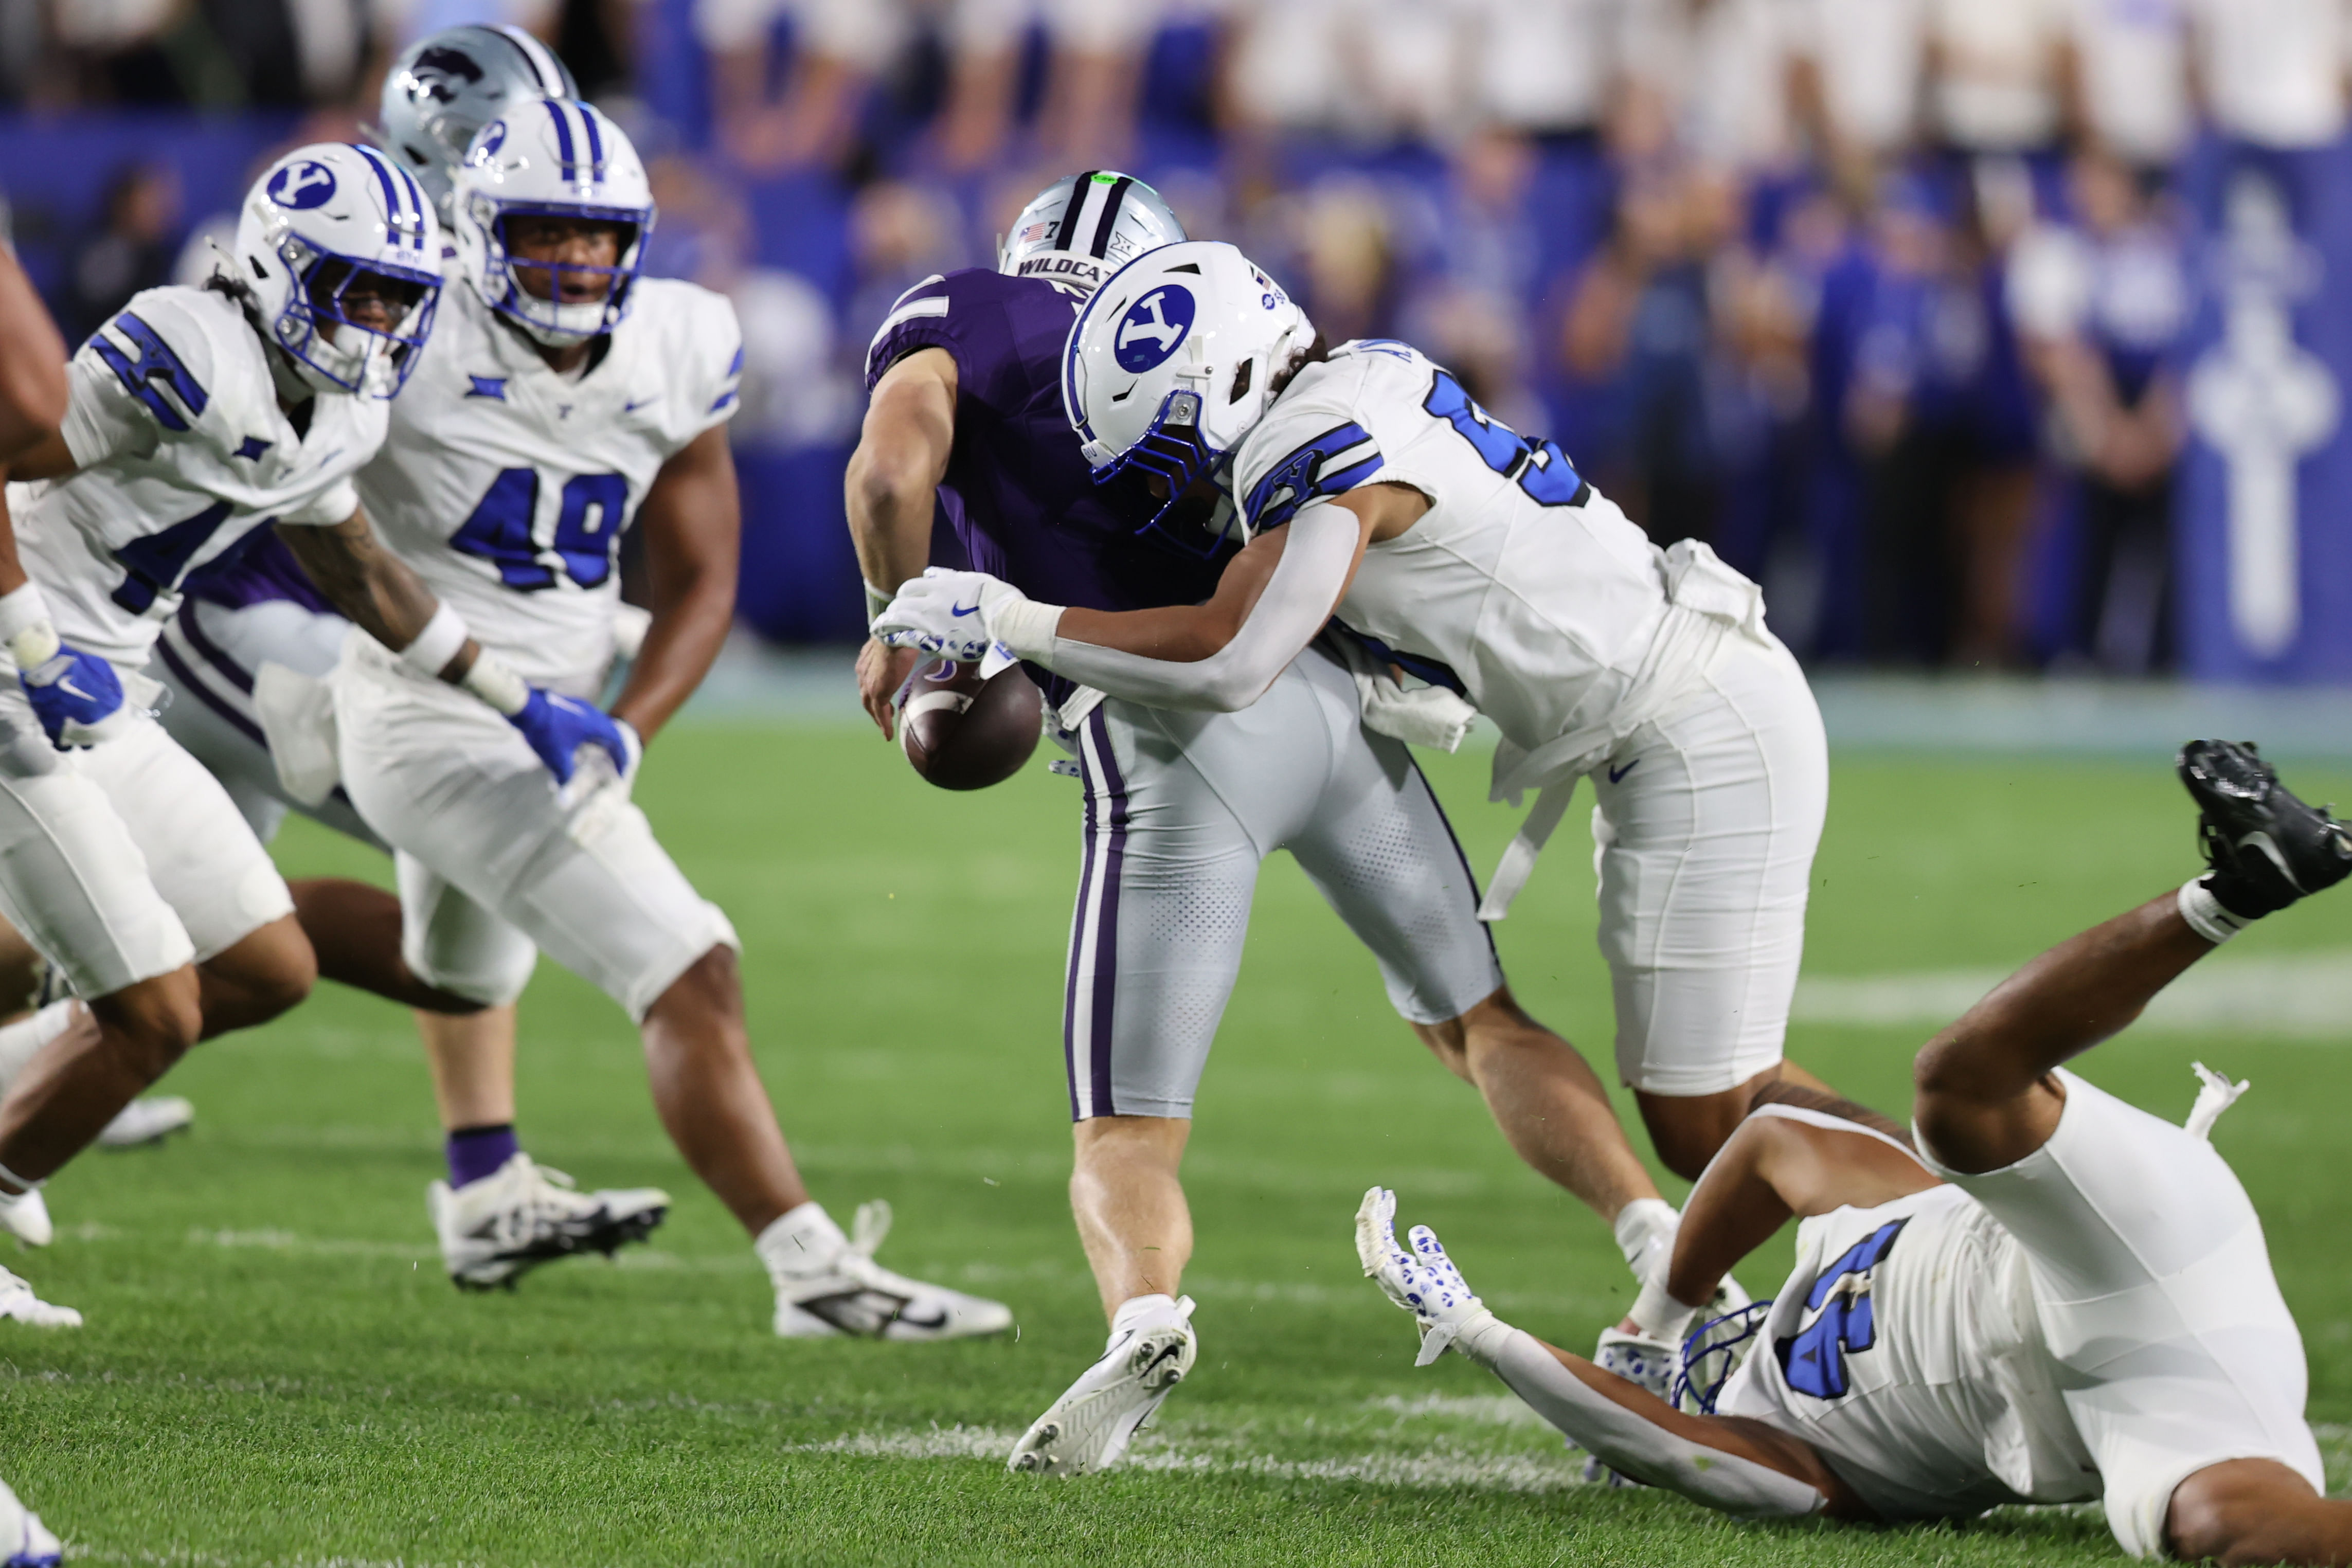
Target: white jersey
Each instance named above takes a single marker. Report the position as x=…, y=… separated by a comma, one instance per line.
x=182, y=452
x=507, y=487
x=1520, y=588
x=1905, y=1347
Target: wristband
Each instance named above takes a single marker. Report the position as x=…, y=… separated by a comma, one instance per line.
x=25, y=628
x=430, y=651
x=490, y=680
x=22, y=610
x=1026, y=628
x=876, y=601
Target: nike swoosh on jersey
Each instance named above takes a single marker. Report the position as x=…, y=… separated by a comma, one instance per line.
x=1617, y=773
x=641, y=402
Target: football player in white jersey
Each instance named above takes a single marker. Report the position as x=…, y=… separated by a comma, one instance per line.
x=197, y=415
x=1379, y=499
x=1374, y=492
x=2053, y=1296
x=563, y=398
x=251, y=623
x=1182, y=809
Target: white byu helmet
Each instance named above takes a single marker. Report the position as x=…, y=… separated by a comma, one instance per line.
x=329, y=221
x=1173, y=360
x=448, y=84
x=553, y=158
x=1082, y=229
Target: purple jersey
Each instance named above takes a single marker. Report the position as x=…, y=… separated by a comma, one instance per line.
x=257, y=569
x=1017, y=491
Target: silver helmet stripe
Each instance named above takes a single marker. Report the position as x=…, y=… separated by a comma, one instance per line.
x=535, y=54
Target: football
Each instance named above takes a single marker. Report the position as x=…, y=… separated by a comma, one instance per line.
x=963, y=733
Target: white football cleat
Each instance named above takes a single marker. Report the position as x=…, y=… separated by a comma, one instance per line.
x=27, y=1218
x=1090, y=1425
x=26, y=1542
x=149, y=1118
x=828, y=1284
x=18, y=1302
x=525, y=1214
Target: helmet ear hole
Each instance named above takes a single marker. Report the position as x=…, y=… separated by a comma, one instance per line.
x=1241, y=375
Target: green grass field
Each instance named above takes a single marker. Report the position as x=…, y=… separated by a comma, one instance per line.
x=276, y=1371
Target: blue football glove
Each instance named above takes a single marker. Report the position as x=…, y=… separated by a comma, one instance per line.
x=77, y=697
x=560, y=727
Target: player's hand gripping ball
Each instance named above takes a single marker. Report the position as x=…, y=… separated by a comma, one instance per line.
x=961, y=732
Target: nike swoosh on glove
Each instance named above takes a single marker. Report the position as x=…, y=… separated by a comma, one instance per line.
x=948, y=614
x=558, y=728
x=77, y=698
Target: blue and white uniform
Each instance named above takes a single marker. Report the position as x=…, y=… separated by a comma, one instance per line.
x=1538, y=602
x=2099, y=1321
x=127, y=860
x=1182, y=809
x=506, y=487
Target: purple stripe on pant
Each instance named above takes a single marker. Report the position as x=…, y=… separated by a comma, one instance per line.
x=1097, y=915
x=1106, y=997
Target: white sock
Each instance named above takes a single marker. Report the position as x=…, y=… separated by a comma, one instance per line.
x=1646, y=1234
x=22, y=1040
x=2207, y=915
x=1659, y=1315
x=804, y=1241
x=1139, y=1311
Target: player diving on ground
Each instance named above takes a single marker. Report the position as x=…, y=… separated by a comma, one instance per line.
x=2058, y=1298
x=1182, y=808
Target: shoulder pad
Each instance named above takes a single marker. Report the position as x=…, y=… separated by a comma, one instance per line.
x=170, y=348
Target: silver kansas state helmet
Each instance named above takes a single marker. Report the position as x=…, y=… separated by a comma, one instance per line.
x=1080, y=229
x=447, y=86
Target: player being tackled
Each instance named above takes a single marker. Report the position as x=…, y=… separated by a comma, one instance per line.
x=2053, y=1298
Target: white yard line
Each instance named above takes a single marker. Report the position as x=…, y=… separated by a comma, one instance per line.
x=2301, y=996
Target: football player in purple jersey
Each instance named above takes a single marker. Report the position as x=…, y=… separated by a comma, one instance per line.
x=1181, y=809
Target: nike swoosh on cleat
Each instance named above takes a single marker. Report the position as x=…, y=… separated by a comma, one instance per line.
x=938, y=1320
x=963, y=608
x=1169, y=1352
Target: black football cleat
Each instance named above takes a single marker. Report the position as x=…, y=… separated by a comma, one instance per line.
x=2267, y=848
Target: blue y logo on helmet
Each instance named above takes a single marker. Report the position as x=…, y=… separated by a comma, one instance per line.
x=302, y=185
x=1153, y=328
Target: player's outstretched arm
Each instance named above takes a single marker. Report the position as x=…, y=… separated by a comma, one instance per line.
x=375, y=590
x=1738, y=1467
x=693, y=523
x=1220, y=655
x=902, y=455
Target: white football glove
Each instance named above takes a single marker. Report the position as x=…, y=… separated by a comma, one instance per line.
x=951, y=615
x=1422, y=1281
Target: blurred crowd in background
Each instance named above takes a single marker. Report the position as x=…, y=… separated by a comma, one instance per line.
x=1887, y=299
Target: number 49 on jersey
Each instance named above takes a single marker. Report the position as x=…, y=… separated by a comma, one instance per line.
x=504, y=529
